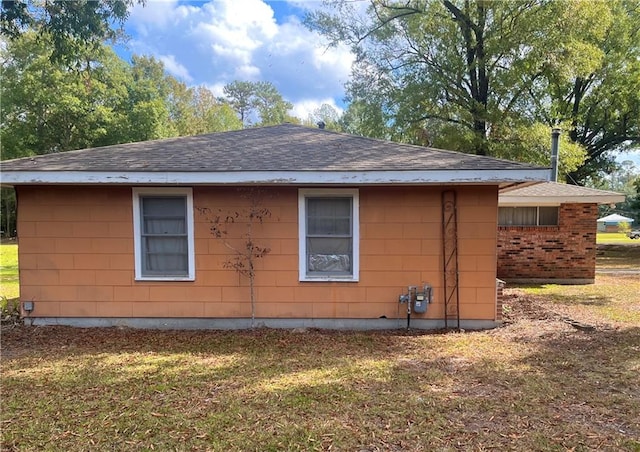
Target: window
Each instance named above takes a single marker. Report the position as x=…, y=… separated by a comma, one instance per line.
x=528, y=216
x=163, y=234
x=328, y=234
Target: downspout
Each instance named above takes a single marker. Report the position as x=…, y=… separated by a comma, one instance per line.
x=555, y=141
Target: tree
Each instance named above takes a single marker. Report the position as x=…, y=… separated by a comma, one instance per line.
x=211, y=114
x=71, y=25
x=239, y=95
x=257, y=103
x=148, y=107
x=626, y=180
x=48, y=106
x=602, y=104
x=245, y=250
x=634, y=202
x=196, y=110
x=468, y=74
x=532, y=144
x=326, y=115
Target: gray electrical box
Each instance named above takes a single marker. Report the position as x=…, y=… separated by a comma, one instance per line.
x=421, y=299
x=419, y=306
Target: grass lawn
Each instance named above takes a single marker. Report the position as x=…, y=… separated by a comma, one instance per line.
x=614, y=237
x=9, y=287
x=537, y=383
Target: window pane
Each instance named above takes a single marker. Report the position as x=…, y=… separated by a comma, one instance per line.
x=165, y=246
x=329, y=216
x=164, y=226
x=164, y=206
x=329, y=255
x=548, y=216
x=329, y=239
x=329, y=226
x=517, y=216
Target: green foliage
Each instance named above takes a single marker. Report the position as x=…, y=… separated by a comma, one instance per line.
x=531, y=144
x=624, y=227
x=324, y=114
x=9, y=310
x=51, y=107
x=257, y=103
x=8, y=203
x=489, y=77
x=624, y=179
x=71, y=25
x=602, y=103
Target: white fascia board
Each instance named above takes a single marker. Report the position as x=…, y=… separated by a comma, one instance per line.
x=275, y=177
x=508, y=201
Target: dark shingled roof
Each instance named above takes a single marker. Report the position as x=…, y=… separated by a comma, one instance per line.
x=285, y=147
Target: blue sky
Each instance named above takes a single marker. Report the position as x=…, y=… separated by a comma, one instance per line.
x=214, y=43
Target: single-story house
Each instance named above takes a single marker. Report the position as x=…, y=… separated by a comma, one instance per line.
x=611, y=223
x=123, y=234
x=547, y=232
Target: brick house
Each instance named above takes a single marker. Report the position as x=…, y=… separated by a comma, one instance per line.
x=113, y=235
x=547, y=233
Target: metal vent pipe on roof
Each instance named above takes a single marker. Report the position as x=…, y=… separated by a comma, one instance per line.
x=555, y=143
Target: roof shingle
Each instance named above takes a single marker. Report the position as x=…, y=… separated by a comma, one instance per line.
x=285, y=147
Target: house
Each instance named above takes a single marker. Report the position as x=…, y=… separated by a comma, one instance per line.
x=547, y=233
x=115, y=235
x=611, y=223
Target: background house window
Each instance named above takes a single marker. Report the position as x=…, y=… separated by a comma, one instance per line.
x=528, y=216
x=163, y=226
x=328, y=234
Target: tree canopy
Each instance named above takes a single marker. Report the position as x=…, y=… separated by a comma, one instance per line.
x=98, y=99
x=257, y=103
x=486, y=76
x=71, y=25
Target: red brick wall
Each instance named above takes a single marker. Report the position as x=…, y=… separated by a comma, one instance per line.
x=563, y=252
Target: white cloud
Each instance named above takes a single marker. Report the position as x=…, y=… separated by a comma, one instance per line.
x=175, y=68
x=153, y=15
x=226, y=40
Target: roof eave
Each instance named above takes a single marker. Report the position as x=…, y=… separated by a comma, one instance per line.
x=510, y=201
x=498, y=177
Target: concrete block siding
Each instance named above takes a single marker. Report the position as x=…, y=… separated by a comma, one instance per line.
x=77, y=259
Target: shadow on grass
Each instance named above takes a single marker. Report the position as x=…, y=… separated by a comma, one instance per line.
x=278, y=390
x=578, y=299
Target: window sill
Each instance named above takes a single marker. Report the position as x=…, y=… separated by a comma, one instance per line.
x=165, y=278
x=346, y=279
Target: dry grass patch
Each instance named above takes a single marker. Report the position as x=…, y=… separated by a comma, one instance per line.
x=618, y=257
x=614, y=300
x=512, y=388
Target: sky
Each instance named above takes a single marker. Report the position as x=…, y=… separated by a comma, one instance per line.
x=214, y=43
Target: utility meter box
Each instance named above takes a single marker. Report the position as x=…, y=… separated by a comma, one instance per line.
x=421, y=299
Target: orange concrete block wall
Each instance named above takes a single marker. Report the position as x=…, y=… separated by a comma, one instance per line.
x=77, y=258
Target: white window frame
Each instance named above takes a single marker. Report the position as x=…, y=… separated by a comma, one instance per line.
x=305, y=193
x=137, y=232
